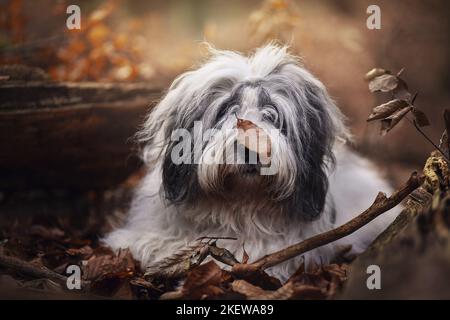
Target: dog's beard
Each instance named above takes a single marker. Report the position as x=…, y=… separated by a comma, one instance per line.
x=229, y=170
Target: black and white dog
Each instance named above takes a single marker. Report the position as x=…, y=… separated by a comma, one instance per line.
x=318, y=183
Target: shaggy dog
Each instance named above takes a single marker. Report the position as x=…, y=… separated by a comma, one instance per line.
x=318, y=182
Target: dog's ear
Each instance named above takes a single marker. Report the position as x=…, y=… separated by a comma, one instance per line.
x=194, y=96
x=312, y=180
x=315, y=123
x=178, y=109
x=160, y=122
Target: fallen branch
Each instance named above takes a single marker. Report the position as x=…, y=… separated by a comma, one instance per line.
x=34, y=271
x=380, y=205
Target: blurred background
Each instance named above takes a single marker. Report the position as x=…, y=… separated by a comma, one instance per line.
x=130, y=41
x=147, y=43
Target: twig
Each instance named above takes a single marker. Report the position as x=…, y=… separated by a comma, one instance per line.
x=32, y=270
x=447, y=128
x=413, y=122
x=215, y=238
x=413, y=99
x=380, y=205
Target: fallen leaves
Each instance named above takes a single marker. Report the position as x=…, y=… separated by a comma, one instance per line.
x=120, y=265
x=177, y=265
x=203, y=282
x=98, y=52
x=320, y=284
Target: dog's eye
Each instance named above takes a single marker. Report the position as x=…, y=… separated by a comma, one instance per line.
x=226, y=109
x=270, y=114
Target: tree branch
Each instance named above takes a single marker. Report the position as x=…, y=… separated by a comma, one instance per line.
x=380, y=205
x=29, y=269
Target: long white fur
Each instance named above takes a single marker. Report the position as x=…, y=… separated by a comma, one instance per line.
x=156, y=229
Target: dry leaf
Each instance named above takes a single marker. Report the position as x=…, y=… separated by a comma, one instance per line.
x=178, y=264
x=98, y=268
x=420, y=117
x=375, y=72
x=401, y=91
x=202, y=282
x=390, y=122
x=245, y=256
x=222, y=255
x=291, y=290
x=254, y=139
x=261, y=279
x=84, y=252
x=387, y=109
x=384, y=83
x=247, y=289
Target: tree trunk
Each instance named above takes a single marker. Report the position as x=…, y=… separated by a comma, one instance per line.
x=70, y=135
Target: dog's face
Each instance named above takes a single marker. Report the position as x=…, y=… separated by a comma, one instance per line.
x=198, y=123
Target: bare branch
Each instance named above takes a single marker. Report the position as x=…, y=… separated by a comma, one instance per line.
x=380, y=205
x=29, y=269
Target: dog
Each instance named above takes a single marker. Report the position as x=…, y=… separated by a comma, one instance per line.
x=318, y=183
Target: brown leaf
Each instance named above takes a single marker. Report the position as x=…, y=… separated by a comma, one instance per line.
x=247, y=289
x=390, y=122
x=83, y=252
x=261, y=279
x=203, y=281
x=387, y=109
x=254, y=138
x=401, y=91
x=178, y=264
x=245, y=256
x=326, y=281
x=205, y=274
x=291, y=290
x=222, y=255
x=119, y=266
x=124, y=291
x=420, y=117
x=245, y=124
x=172, y=295
x=384, y=83
x=375, y=72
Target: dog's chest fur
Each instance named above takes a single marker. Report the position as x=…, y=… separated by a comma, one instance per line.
x=156, y=230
